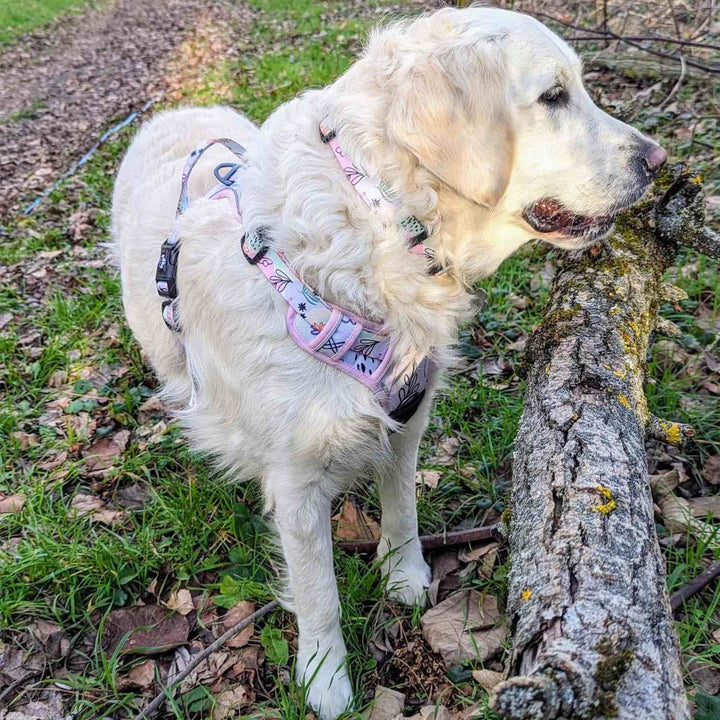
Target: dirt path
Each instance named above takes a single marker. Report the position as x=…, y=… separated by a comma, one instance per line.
x=62, y=86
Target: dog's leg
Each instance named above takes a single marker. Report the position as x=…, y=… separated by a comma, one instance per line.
x=302, y=515
x=399, y=548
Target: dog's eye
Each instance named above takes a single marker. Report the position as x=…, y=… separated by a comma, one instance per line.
x=554, y=95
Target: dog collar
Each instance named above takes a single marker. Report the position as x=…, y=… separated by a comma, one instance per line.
x=379, y=197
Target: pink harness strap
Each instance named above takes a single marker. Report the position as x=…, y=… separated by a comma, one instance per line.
x=331, y=334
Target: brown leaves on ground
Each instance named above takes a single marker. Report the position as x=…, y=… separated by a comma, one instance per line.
x=96, y=509
x=144, y=630
x=487, y=679
x=47, y=707
x=232, y=617
x=447, y=451
x=228, y=673
x=10, y=504
x=18, y=664
x=704, y=675
x=231, y=703
x=387, y=704
x=140, y=677
x=180, y=601
x=74, y=78
x=52, y=639
x=465, y=626
x=103, y=453
x=711, y=470
x=427, y=478
x=406, y=662
x=354, y=524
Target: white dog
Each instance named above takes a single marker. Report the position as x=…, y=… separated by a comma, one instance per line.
x=477, y=123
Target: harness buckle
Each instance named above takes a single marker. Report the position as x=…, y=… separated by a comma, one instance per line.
x=254, y=245
x=166, y=272
x=227, y=177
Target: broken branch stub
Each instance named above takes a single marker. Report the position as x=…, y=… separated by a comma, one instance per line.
x=588, y=608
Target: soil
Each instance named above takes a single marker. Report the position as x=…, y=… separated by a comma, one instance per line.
x=62, y=86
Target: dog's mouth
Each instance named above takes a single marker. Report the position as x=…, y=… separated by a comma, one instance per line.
x=549, y=216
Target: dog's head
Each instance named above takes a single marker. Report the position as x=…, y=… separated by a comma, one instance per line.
x=492, y=103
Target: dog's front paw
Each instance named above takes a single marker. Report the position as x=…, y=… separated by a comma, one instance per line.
x=328, y=688
x=408, y=575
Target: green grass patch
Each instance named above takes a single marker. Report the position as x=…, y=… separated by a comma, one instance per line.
x=17, y=18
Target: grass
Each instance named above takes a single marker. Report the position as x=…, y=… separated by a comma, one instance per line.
x=192, y=530
x=17, y=18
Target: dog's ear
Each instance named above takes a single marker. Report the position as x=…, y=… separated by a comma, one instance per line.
x=451, y=113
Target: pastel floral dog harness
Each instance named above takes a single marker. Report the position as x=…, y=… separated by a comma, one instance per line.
x=331, y=334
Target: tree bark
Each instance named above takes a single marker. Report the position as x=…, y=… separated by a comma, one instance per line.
x=588, y=607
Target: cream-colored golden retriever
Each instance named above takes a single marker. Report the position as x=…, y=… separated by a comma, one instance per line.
x=478, y=122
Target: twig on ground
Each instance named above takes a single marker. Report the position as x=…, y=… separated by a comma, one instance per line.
x=103, y=139
x=676, y=86
x=633, y=43
x=695, y=586
x=430, y=542
x=151, y=707
x=8, y=690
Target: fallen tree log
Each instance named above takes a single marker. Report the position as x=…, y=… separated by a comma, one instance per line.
x=588, y=607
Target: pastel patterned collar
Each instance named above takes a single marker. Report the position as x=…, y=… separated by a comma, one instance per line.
x=379, y=197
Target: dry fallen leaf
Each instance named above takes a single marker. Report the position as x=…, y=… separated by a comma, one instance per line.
x=152, y=406
x=354, y=524
x=141, y=677
x=704, y=675
x=52, y=638
x=102, y=453
x=427, y=478
x=207, y=672
x=85, y=504
x=133, y=497
x=144, y=629
x=235, y=615
x=229, y=704
x=180, y=601
x=447, y=451
x=11, y=503
x=387, y=704
x=26, y=440
x=57, y=379
x=81, y=426
x=711, y=469
x=707, y=505
x=17, y=665
x=476, y=553
x=465, y=626
x=487, y=679
x=53, y=462
x=50, y=708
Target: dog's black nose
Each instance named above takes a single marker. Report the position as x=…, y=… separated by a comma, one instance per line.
x=652, y=157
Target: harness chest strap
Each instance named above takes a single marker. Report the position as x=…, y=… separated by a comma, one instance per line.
x=336, y=336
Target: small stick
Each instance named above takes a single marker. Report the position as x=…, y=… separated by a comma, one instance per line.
x=676, y=86
x=706, y=242
x=620, y=38
x=430, y=542
x=694, y=586
x=234, y=630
